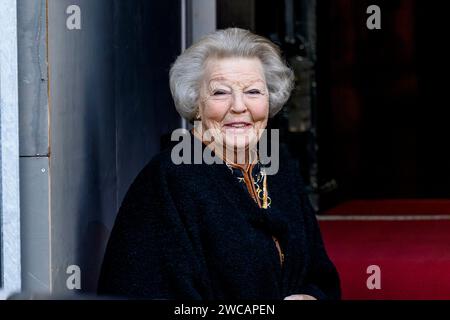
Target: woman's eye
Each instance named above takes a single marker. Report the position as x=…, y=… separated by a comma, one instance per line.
x=254, y=91
x=219, y=93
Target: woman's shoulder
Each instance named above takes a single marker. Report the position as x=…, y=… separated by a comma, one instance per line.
x=161, y=161
x=287, y=162
x=163, y=166
x=153, y=178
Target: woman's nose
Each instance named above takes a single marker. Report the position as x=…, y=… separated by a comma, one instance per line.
x=238, y=103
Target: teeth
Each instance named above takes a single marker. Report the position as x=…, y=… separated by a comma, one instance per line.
x=238, y=125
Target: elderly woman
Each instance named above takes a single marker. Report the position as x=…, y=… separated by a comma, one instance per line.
x=223, y=230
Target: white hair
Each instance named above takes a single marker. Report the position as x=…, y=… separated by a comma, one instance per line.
x=187, y=72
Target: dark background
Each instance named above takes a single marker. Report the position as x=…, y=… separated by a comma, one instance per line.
x=379, y=109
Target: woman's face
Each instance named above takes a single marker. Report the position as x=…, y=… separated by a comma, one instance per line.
x=234, y=101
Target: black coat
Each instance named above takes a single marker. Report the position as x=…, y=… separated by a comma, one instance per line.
x=190, y=231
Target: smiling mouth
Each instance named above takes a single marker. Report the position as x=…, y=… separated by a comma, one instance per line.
x=238, y=125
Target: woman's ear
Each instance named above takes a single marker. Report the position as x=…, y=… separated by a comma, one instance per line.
x=197, y=117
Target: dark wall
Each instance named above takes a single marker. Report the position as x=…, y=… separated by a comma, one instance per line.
x=110, y=105
x=147, y=41
x=432, y=51
x=381, y=133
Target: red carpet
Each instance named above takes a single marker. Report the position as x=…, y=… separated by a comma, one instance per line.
x=413, y=255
